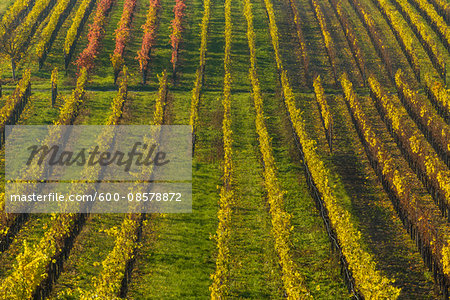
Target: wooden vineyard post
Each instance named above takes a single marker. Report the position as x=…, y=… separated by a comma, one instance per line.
x=54, y=79
x=364, y=75
x=445, y=74
x=66, y=61
x=324, y=109
x=330, y=137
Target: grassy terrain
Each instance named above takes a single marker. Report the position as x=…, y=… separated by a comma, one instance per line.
x=254, y=271
x=91, y=247
x=176, y=257
x=4, y=5
x=177, y=253
x=387, y=239
x=380, y=221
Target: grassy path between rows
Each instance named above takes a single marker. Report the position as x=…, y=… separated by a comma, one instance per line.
x=396, y=253
x=378, y=221
x=254, y=269
x=93, y=111
x=177, y=250
x=177, y=254
x=4, y=6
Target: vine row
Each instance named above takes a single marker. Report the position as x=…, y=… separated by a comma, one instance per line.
x=199, y=75
x=15, y=43
x=177, y=30
x=420, y=155
x=36, y=268
x=10, y=112
x=404, y=37
x=359, y=266
x=415, y=215
x=219, y=287
x=427, y=41
x=113, y=280
x=443, y=8
x=14, y=14
x=374, y=35
x=74, y=32
x=324, y=108
x=301, y=39
x=122, y=36
x=293, y=281
x=438, y=95
x=10, y=224
x=149, y=38
x=436, y=21
x=328, y=41
x=432, y=126
x=48, y=35
x=350, y=37
x=95, y=35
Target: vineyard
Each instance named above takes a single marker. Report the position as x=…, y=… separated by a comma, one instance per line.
x=320, y=156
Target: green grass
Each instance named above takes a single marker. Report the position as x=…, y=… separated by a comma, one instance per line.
x=39, y=111
x=254, y=270
x=176, y=258
x=89, y=250
x=30, y=233
x=177, y=254
x=4, y=5
x=96, y=108
x=310, y=242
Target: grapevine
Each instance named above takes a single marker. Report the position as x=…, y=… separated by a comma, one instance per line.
x=87, y=57
x=301, y=38
x=401, y=33
x=433, y=127
x=374, y=35
x=108, y=283
x=198, y=83
x=50, y=31
x=33, y=265
x=10, y=112
x=439, y=97
x=435, y=20
x=13, y=14
x=177, y=30
x=219, y=287
x=350, y=36
x=328, y=41
x=78, y=21
x=293, y=282
x=14, y=44
x=324, y=109
x=369, y=281
x=424, y=160
x=122, y=36
x=67, y=114
x=149, y=38
x=443, y=8
x=427, y=41
x=415, y=215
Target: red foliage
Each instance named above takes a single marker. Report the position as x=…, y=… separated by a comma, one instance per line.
x=87, y=57
x=177, y=29
x=123, y=30
x=148, y=41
